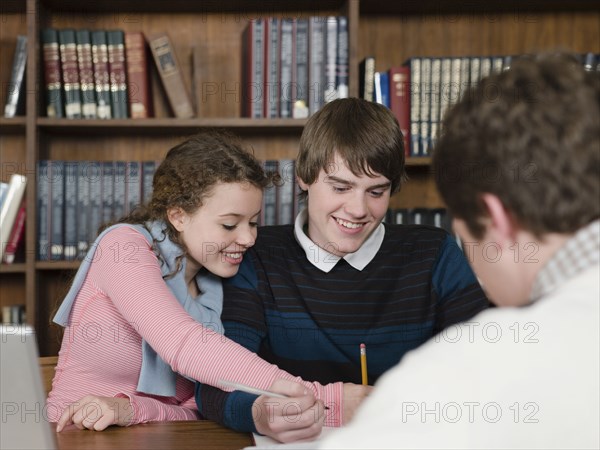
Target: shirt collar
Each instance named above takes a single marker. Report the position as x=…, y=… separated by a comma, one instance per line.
x=325, y=261
x=579, y=253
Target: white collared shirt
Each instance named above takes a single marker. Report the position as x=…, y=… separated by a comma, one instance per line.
x=324, y=260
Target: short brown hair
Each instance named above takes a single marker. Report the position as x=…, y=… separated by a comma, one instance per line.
x=365, y=134
x=530, y=136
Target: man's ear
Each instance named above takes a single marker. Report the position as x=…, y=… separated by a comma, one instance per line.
x=177, y=217
x=501, y=224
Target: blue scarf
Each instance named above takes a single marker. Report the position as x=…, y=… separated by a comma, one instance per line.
x=156, y=376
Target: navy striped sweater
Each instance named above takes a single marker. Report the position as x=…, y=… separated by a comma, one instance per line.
x=311, y=323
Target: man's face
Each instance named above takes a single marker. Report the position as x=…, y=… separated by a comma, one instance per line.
x=344, y=209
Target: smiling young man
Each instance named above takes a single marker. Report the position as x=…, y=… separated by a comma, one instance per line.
x=308, y=295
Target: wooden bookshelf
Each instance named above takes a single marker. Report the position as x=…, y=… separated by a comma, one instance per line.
x=390, y=31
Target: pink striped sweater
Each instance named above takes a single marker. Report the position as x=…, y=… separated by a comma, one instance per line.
x=125, y=299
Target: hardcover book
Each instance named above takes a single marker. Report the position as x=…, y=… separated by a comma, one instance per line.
x=70, y=73
x=171, y=76
x=101, y=74
x=139, y=89
x=86, y=74
x=117, y=73
x=15, y=99
x=52, y=73
x=10, y=208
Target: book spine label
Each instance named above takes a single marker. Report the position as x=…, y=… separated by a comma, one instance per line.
x=101, y=74
x=342, y=60
x=86, y=74
x=70, y=73
x=138, y=80
x=331, y=43
x=300, y=74
x=70, y=210
x=15, y=96
x=400, y=101
x=316, y=63
x=16, y=235
x=52, y=78
x=287, y=60
x=148, y=169
x=117, y=73
x=119, y=189
x=133, y=186
x=83, y=207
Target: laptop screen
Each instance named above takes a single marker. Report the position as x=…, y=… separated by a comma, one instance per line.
x=24, y=423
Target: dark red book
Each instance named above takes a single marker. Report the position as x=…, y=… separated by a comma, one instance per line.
x=52, y=77
x=400, y=101
x=16, y=235
x=139, y=92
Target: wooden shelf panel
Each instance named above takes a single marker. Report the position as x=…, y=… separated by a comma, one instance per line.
x=211, y=6
x=448, y=7
x=57, y=265
x=162, y=126
x=13, y=125
x=12, y=268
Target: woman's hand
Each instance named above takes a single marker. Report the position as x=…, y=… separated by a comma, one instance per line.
x=354, y=394
x=299, y=417
x=96, y=413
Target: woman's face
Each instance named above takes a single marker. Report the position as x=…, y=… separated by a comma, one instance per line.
x=222, y=229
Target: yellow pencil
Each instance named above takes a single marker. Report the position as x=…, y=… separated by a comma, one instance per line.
x=363, y=364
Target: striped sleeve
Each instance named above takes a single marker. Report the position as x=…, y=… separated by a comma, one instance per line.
x=128, y=272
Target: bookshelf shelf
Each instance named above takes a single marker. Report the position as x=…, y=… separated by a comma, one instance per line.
x=131, y=126
x=12, y=125
x=13, y=268
x=390, y=31
x=57, y=265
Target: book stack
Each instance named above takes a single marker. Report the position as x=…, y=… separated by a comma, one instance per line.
x=420, y=91
x=12, y=217
x=104, y=74
x=292, y=67
x=13, y=314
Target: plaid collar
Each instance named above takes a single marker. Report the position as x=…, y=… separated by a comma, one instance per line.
x=579, y=253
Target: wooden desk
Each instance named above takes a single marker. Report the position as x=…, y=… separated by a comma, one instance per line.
x=181, y=435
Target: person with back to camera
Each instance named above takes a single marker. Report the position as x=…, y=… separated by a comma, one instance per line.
x=518, y=164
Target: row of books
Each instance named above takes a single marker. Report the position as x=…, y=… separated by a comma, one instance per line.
x=13, y=314
x=291, y=67
x=74, y=198
x=420, y=91
x=12, y=217
x=104, y=74
x=435, y=217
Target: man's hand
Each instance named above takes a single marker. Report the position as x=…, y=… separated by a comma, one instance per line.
x=299, y=417
x=354, y=394
x=96, y=413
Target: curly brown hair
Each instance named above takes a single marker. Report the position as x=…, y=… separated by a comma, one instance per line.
x=530, y=136
x=189, y=174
